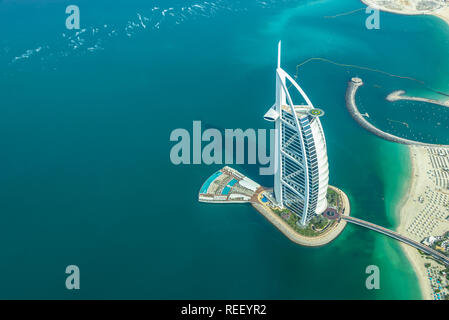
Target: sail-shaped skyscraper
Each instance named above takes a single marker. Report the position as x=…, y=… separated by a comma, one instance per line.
x=301, y=167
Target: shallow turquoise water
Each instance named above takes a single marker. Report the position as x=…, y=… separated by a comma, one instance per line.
x=87, y=178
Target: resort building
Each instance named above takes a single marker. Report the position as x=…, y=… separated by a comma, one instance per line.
x=301, y=167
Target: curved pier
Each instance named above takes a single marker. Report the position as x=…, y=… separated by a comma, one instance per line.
x=353, y=85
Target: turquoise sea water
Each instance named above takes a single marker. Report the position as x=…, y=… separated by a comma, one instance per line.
x=86, y=175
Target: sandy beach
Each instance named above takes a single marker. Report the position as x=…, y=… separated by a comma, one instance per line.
x=405, y=206
x=420, y=215
x=442, y=14
x=410, y=9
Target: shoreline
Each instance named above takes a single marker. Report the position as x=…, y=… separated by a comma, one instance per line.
x=302, y=240
x=417, y=179
x=419, y=215
x=442, y=13
x=412, y=254
x=421, y=209
x=241, y=189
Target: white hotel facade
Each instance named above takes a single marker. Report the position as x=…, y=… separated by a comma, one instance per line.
x=301, y=165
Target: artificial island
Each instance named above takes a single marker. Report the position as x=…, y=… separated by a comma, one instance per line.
x=302, y=205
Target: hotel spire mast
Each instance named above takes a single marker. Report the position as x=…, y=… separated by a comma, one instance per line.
x=301, y=168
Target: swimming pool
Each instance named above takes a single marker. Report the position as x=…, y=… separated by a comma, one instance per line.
x=226, y=190
x=206, y=184
x=229, y=186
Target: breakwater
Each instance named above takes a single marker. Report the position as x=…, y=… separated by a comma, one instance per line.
x=400, y=95
x=351, y=91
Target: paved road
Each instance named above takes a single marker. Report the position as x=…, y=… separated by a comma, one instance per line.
x=435, y=254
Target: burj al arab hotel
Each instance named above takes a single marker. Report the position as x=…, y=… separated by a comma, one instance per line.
x=301, y=167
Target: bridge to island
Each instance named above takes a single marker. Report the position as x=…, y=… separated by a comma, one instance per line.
x=230, y=186
x=392, y=234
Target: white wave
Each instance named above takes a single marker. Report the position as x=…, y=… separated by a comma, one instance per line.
x=27, y=54
x=141, y=21
x=83, y=41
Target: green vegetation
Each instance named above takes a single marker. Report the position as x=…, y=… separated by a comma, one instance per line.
x=318, y=224
x=333, y=198
x=315, y=227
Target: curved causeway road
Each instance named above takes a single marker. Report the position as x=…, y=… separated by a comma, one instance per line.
x=353, y=85
x=435, y=254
